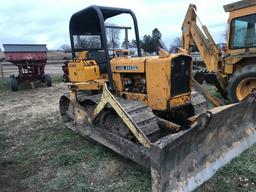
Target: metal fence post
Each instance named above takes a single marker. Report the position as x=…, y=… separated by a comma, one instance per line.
x=2, y=71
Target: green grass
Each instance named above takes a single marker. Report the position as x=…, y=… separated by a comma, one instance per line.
x=214, y=92
x=74, y=164
x=53, y=158
x=239, y=175
x=2, y=139
x=67, y=159
x=56, y=78
x=48, y=157
x=5, y=83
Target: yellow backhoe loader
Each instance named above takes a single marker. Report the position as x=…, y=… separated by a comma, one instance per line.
x=145, y=109
x=232, y=72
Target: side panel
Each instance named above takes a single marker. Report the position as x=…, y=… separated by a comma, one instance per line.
x=25, y=56
x=79, y=72
x=72, y=69
x=158, y=82
x=125, y=65
x=128, y=65
x=117, y=82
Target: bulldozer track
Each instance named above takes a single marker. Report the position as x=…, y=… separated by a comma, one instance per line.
x=139, y=113
x=199, y=102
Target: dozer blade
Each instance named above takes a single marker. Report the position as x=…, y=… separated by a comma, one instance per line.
x=183, y=161
x=179, y=161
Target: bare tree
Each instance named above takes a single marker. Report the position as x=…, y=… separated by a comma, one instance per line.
x=66, y=48
x=175, y=44
x=134, y=43
x=124, y=44
x=90, y=41
x=113, y=36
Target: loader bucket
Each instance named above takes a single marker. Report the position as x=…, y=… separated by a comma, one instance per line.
x=183, y=161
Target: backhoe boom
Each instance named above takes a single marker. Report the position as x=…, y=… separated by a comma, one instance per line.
x=192, y=34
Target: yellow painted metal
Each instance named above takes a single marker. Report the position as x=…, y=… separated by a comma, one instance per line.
x=79, y=113
x=245, y=88
x=158, y=80
x=224, y=67
x=90, y=85
x=117, y=81
x=232, y=60
x=81, y=70
x=134, y=96
x=240, y=13
x=83, y=54
x=239, y=5
x=229, y=69
x=180, y=100
x=121, y=53
x=191, y=33
x=108, y=98
x=157, y=70
x=163, y=53
x=128, y=65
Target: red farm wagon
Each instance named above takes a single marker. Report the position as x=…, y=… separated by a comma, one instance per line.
x=30, y=60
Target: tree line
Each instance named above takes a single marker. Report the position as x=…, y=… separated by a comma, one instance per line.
x=149, y=43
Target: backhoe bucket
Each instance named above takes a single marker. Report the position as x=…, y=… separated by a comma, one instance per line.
x=183, y=161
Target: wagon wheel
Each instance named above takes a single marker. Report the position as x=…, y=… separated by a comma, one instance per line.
x=14, y=83
x=48, y=80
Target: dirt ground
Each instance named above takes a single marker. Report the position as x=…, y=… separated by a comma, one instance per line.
x=37, y=152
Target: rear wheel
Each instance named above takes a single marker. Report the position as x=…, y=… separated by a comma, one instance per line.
x=242, y=83
x=14, y=84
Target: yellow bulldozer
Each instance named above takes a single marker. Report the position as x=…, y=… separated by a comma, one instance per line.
x=145, y=109
x=234, y=71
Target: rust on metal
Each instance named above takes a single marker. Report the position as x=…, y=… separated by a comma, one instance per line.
x=215, y=101
x=239, y=5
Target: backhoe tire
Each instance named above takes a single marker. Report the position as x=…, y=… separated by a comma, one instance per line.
x=14, y=84
x=242, y=83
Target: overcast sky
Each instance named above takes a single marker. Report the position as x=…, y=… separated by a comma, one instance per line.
x=46, y=21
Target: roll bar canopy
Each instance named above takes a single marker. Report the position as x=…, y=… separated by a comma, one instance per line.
x=91, y=21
